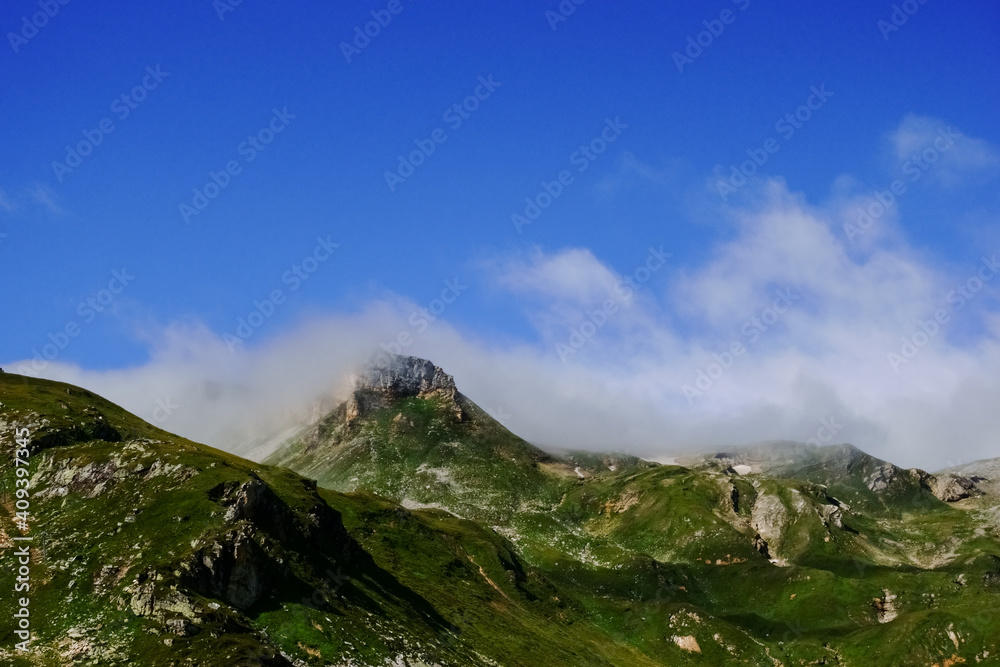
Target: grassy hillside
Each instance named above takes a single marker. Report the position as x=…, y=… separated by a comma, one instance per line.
x=419, y=453
x=812, y=556
x=152, y=549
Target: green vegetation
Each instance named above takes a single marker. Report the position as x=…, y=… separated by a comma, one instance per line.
x=433, y=536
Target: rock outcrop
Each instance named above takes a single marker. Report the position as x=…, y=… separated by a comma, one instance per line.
x=390, y=378
x=883, y=476
x=231, y=568
x=984, y=474
x=831, y=515
x=769, y=518
x=886, y=608
x=952, y=488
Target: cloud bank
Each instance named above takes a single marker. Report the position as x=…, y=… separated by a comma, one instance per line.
x=788, y=330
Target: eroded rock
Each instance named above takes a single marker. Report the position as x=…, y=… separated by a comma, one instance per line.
x=886, y=607
x=230, y=568
x=952, y=488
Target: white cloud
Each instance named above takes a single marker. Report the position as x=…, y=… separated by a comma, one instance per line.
x=574, y=275
x=823, y=356
x=193, y=386
x=933, y=148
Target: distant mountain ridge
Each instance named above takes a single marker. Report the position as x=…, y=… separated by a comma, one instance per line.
x=844, y=467
x=984, y=473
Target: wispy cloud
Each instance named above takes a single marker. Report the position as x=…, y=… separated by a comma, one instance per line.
x=6, y=203
x=43, y=196
x=931, y=146
x=630, y=170
x=574, y=275
x=28, y=198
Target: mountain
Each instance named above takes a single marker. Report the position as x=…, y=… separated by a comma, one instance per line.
x=407, y=527
x=848, y=472
x=406, y=433
x=146, y=548
x=713, y=531
x=984, y=474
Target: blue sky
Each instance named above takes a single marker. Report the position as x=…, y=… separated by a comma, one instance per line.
x=223, y=75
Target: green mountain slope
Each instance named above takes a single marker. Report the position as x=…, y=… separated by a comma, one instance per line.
x=805, y=557
x=150, y=549
x=407, y=434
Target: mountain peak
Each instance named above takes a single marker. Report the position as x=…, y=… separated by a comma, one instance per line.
x=387, y=379
x=403, y=376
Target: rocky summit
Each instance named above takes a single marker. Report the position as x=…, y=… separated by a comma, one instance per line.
x=399, y=377
x=406, y=527
x=390, y=378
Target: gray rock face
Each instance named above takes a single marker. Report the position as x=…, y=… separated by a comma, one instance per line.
x=152, y=598
x=886, y=607
x=404, y=376
x=951, y=488
x=230, y=568
x=769, y=518
x=882, y=478
x=831, y=516
x=984, y=474
x=387, y=379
